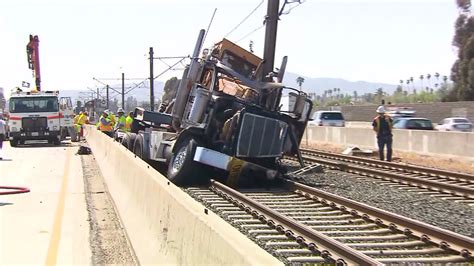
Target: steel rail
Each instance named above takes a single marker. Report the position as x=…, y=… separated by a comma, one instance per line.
x=406, y=167
x=460, y=190
x=282, y=222
x=466, y=244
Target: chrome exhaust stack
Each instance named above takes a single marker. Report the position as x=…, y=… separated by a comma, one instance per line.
x=186, y=83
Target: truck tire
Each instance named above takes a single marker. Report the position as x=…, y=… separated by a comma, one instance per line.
x=129, y=140
x=56, y=141
x=138, y=146
x=182, y=169
x=14, y=142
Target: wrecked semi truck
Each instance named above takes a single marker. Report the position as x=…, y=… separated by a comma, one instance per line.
x=224, y=121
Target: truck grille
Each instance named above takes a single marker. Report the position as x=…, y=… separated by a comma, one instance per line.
x=36, y=124
x=261, y=136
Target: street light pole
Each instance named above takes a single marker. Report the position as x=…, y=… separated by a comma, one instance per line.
x=152, y=85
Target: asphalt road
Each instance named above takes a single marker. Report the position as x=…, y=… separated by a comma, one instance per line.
x=48, y=225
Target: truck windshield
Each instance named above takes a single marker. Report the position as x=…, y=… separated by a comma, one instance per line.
x=33, y=104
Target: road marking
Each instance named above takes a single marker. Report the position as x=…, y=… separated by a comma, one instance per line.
x=52, y=254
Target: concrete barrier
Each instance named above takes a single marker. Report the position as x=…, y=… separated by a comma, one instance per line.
x=164, y=224
x=428, y=142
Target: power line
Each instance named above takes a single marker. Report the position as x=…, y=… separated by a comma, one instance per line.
x=166, y=70
x=291, y=8
x=250, y=33
x=240, y=23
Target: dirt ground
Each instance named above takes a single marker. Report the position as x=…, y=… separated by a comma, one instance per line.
x=451, y=164
x=108, y=240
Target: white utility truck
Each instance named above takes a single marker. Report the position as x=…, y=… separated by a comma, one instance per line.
x=41, y=115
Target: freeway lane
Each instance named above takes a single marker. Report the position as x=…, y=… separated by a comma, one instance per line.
x=48, y=225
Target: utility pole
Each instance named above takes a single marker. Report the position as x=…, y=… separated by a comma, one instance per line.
x=152, y=86
x=123, y=91
x=270, y=97
x=107, y=97
x=271, y=22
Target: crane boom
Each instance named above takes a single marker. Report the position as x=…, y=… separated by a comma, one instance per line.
x=32, y=52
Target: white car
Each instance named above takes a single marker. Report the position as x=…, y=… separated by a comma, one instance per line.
x=328, y=118
x=455, y=124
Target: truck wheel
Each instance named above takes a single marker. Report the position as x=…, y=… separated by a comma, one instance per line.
x=138, y=146
x=14, y=142
x=182, y=169
x=57, y=141
x=129, y=140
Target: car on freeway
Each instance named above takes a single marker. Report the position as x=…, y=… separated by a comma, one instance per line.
x=328, y=118
x=413, y=123
x=455, y=124
x=400, y=112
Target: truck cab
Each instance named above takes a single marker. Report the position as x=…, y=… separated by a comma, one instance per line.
x=224, y=119
x=34, y=116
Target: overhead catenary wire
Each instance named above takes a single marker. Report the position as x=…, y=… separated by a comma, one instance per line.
x=209, y=26
x=243, y=20
x=250, y=33
x=163, y=72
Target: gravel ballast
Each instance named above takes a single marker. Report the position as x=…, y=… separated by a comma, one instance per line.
x=447, y=214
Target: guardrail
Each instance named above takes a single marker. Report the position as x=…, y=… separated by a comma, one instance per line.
x=164, y=224
x=417, y=141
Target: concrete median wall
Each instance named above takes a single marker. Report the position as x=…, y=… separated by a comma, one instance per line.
x=164, y=224
x=417, y=141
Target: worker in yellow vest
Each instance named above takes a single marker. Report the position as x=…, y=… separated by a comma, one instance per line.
x=128, y=122
x=77, y=127
x=121, y=120
x=76, y=117
x=112, y=118
x=81, y=121
x=105, y=125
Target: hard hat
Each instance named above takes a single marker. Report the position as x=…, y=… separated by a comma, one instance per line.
x=381, y=109
x=120, y=110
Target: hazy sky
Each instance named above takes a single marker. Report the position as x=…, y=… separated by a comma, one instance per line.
x=371, y=40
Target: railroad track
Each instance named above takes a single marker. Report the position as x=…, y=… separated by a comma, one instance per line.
x=445, y=184
x=301, y=224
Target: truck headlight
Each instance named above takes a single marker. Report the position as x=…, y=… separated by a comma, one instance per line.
x=14, y=129
x=55, y=128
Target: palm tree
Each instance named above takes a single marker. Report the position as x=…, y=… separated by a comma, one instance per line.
x=401, y=83
x=421, y=79
x=428, y=77
x=355, y=95
x=300, y=81
x=380, y=92
x=436, y=75
x=445, y=79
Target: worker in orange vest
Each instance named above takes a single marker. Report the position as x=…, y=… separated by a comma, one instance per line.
x=105, y=125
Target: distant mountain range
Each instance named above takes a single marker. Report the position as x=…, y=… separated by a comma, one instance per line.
x=319, y=85
x=314, y=85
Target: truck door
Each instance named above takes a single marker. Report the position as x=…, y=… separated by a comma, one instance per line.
x=66, y=109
